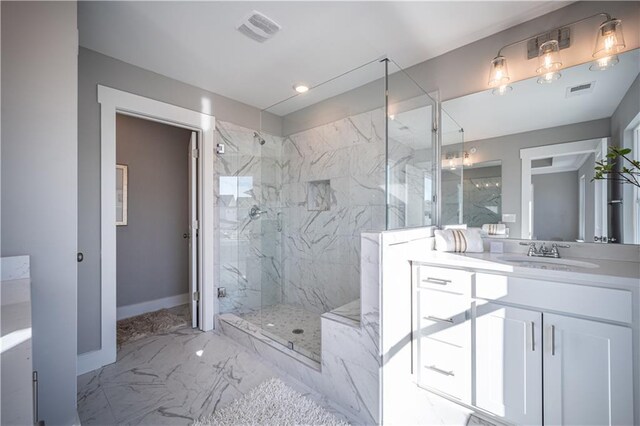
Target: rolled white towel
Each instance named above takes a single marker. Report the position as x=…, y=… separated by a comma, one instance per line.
x=494, y=229
x=459, y=240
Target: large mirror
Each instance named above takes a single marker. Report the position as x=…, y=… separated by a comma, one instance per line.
x=527, y=160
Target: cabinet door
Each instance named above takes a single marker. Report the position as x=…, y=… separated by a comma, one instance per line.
x=587, y=372
x=508, y=360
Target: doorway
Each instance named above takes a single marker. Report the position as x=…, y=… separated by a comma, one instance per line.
x=113, y=101
x=156, y=246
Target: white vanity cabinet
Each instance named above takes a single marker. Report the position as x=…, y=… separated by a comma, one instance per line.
x=538, y=351
x=588, y=372
x=508, y=362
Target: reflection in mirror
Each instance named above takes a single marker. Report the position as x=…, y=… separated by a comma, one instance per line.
x=557, y=198
x=482, y=194
x=410, y=154
x=564, y=203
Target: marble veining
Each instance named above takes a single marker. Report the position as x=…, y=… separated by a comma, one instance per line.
x=279, y=321
x=174, y=378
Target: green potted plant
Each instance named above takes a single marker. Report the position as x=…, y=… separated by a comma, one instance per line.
x=619, y=166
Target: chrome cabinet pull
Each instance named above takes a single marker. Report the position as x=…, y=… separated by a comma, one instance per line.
x=438, y=281
x=438, y=370
x=450, y=320
x=553, y=340
x=533, y=337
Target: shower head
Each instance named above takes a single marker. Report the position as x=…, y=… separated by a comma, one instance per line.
x=259, y=138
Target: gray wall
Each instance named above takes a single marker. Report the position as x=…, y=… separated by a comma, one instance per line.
x=507, y=149
x=555, y=212
x=623, y=121
x=39, y=184
x=94, y=69
x=152, y=256
x=588, y=170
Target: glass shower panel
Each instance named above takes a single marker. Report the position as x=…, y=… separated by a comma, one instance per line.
x=329, y=186
x=453, y=159
x=238, y=175
x=411, y=146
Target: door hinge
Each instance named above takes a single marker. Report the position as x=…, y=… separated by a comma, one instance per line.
x=196, y=225
x=196, y=296
x=195, y=153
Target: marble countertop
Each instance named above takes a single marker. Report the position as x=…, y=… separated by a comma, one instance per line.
x=608, y=272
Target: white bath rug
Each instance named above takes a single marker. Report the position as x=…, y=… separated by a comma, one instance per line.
x=271, y=403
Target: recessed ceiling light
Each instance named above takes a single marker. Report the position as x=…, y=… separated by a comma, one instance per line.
x=300, y=87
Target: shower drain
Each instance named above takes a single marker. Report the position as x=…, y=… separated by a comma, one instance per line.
x=297, y=331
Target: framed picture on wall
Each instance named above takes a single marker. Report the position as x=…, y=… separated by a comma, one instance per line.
x=122, y=180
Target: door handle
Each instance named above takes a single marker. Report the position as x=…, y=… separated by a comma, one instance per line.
x=439, y=370
x=439, y=281
x=186, y=235
x=533, y=337
x=450, y=320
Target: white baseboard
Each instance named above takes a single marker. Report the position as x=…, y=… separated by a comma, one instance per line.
x=93, y=360
x=128, y=311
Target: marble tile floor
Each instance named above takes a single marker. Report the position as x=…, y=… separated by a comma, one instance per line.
x=281, y=320
x=175, y=377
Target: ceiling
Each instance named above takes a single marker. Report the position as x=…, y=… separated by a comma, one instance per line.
x=197, y=43
x=531, y=106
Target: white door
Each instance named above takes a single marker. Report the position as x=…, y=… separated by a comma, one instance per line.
x=508, y=362
x=588, y=372
x=193, y=229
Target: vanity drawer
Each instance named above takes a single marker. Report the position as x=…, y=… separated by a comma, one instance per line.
x=445, y=280
x=445, y=368
x=457, y=333
x=442, y=305
x=597, y=302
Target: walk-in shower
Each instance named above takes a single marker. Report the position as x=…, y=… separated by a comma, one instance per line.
x=354, y=153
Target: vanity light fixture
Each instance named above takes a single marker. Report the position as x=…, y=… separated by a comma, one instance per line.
x=549, y=62
x=609, y=42
x=300, y=87
x=453, y=160
x=499, y=73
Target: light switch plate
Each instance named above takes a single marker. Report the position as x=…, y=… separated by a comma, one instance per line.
x=508, y=218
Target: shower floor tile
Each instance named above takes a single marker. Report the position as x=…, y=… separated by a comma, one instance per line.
x=281, y=320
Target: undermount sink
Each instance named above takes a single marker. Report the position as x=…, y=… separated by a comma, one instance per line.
x=541, y=261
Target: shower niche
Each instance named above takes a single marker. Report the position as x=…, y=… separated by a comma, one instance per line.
x=319, y=195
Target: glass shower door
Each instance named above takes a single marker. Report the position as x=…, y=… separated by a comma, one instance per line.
x=411, y=149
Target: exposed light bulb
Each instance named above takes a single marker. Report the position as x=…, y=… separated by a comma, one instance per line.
x=609, y=41
x=498, y=72
x=549, y=61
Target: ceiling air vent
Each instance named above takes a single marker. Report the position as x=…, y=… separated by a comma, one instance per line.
x=258, y=27
x=580, y=89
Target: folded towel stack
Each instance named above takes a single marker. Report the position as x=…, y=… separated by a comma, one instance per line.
x=494, y=229
x=459, y=240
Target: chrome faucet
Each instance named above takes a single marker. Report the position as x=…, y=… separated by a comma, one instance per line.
x=543, y=251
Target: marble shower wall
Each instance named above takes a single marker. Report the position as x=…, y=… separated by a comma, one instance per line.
x=249, y=262
x=333, y=188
